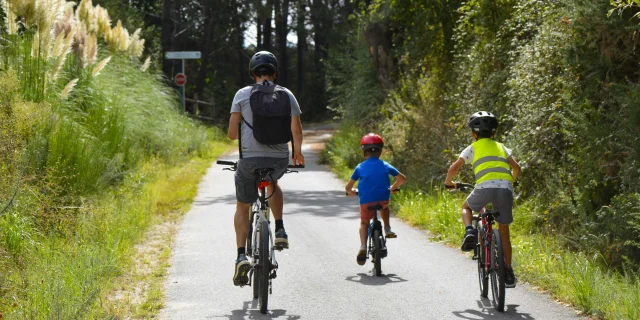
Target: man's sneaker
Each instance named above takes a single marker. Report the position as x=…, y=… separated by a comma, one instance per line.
x=390, y=234
x=510, y=281
x=469, y=241
x=282, y=240
x=362, y=256
x=241, y=277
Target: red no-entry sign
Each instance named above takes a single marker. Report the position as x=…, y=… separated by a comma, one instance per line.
x=180, y=79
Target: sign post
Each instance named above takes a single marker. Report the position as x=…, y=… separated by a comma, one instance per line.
x=180, y=78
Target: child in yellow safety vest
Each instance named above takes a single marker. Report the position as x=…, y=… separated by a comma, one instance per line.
x=492, y=166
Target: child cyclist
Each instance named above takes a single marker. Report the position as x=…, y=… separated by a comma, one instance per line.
x=492, y=164
x=374, y=188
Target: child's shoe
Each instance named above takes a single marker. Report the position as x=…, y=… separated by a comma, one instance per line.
x=362, y=256
x=390, y=234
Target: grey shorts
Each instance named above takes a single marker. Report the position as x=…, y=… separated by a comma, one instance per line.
x=502, y=200
x=246, y=181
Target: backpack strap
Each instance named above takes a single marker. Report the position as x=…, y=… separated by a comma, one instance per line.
x=240, y=139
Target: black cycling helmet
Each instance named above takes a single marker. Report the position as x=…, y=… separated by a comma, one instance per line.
x=263, y=61
x=483, y=122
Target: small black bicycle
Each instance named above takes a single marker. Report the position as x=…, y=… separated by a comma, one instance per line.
x=377, y=242
x=489, y=254
x=260, y=245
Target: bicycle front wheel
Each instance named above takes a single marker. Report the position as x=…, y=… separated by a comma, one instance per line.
x=377, y=255
x=264, y=266
x=498, y=271
x=483, y=277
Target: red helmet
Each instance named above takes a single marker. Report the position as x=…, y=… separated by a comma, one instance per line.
x=371, y=141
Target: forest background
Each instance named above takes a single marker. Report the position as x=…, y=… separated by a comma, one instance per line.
x=560, y=74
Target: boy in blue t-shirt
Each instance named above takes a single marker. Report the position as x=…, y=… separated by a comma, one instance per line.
x=374, y=188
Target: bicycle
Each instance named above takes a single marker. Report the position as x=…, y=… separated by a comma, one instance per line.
x=488, y=253
x=260, y=244
x=377, y=242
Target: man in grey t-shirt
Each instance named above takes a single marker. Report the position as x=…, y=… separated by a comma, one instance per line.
x=263, y=68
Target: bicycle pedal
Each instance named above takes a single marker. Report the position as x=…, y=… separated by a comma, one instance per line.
x=273, y=275
x=474, y=257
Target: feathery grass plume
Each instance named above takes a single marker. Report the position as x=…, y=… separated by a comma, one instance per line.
x=100, y=66
x=68, y=88
x=136, y=45
x=64, y=24
x=118, y=38
x=90, y=52
x=46, y=13
x=60, y=51
x=87, y=15
x=103, y=20
x=10, y=21
x=145, y=66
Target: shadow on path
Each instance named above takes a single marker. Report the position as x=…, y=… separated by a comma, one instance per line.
x=250, y=311
x=487, y=311
x=371, y=280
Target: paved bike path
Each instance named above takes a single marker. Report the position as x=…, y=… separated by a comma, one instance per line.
x=318, y=277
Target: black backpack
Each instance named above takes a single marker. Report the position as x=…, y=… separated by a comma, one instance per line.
x=271, y=108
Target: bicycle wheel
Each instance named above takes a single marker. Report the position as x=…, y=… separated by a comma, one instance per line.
x=265, y=266
x=255, y=282
x=497, y=271
x=483, y=277
x=377, y=243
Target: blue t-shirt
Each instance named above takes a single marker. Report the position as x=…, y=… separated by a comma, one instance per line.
x=374, y=184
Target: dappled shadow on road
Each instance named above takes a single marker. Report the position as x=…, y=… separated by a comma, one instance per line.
x=250, y=311
x=372, y=280
x=487, y=311
x=328, y=203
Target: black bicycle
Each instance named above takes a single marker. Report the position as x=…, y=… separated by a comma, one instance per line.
x=260, y=245
x=377, y=242
x=489, y=254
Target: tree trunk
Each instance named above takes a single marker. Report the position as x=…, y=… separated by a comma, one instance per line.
x=206, y=45
x=379, y=39
x=302, y=43
x=282, y=30
x=259, y=42
x=168, y=28
x=267, y=30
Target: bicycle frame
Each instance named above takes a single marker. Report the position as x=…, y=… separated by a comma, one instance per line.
x=257, y=217
x=373, y=226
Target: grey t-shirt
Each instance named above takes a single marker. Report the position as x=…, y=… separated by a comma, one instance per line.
x=250, y=147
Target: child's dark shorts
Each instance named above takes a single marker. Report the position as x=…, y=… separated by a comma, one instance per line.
x=366, y=214
x=246, y=180
x=502, y=200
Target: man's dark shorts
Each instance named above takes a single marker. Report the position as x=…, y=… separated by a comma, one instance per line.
x=502, y=200
x=246, y=181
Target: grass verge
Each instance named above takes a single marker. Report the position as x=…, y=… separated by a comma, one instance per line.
x=92, y=273
x=575, y=278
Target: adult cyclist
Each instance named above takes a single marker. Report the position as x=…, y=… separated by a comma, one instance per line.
x=263, y=68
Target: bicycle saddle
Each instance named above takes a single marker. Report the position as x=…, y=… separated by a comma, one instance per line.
x=375, y=207
x=263, y=172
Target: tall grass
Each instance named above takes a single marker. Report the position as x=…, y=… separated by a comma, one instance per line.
x=86, y=150
x=580, y=279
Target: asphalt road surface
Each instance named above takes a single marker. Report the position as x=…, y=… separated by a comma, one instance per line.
x=318, y=277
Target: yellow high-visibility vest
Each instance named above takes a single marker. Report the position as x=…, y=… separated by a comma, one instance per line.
x=490, y=161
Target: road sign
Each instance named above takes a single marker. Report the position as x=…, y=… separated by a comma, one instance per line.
x=177, y=55
x=180, y=79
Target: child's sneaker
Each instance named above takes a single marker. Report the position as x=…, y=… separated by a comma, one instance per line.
x=362, y=256
x=469, y=241
x=390, y=234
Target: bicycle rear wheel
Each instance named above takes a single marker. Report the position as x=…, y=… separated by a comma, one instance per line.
x=264, y=267
x=377, y=243
x=497, y=272
x=483, y=277
x=255, y=282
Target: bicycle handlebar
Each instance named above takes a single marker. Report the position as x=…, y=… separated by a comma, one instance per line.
x=234, y=164
x=460, y=186
x=356, y=190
